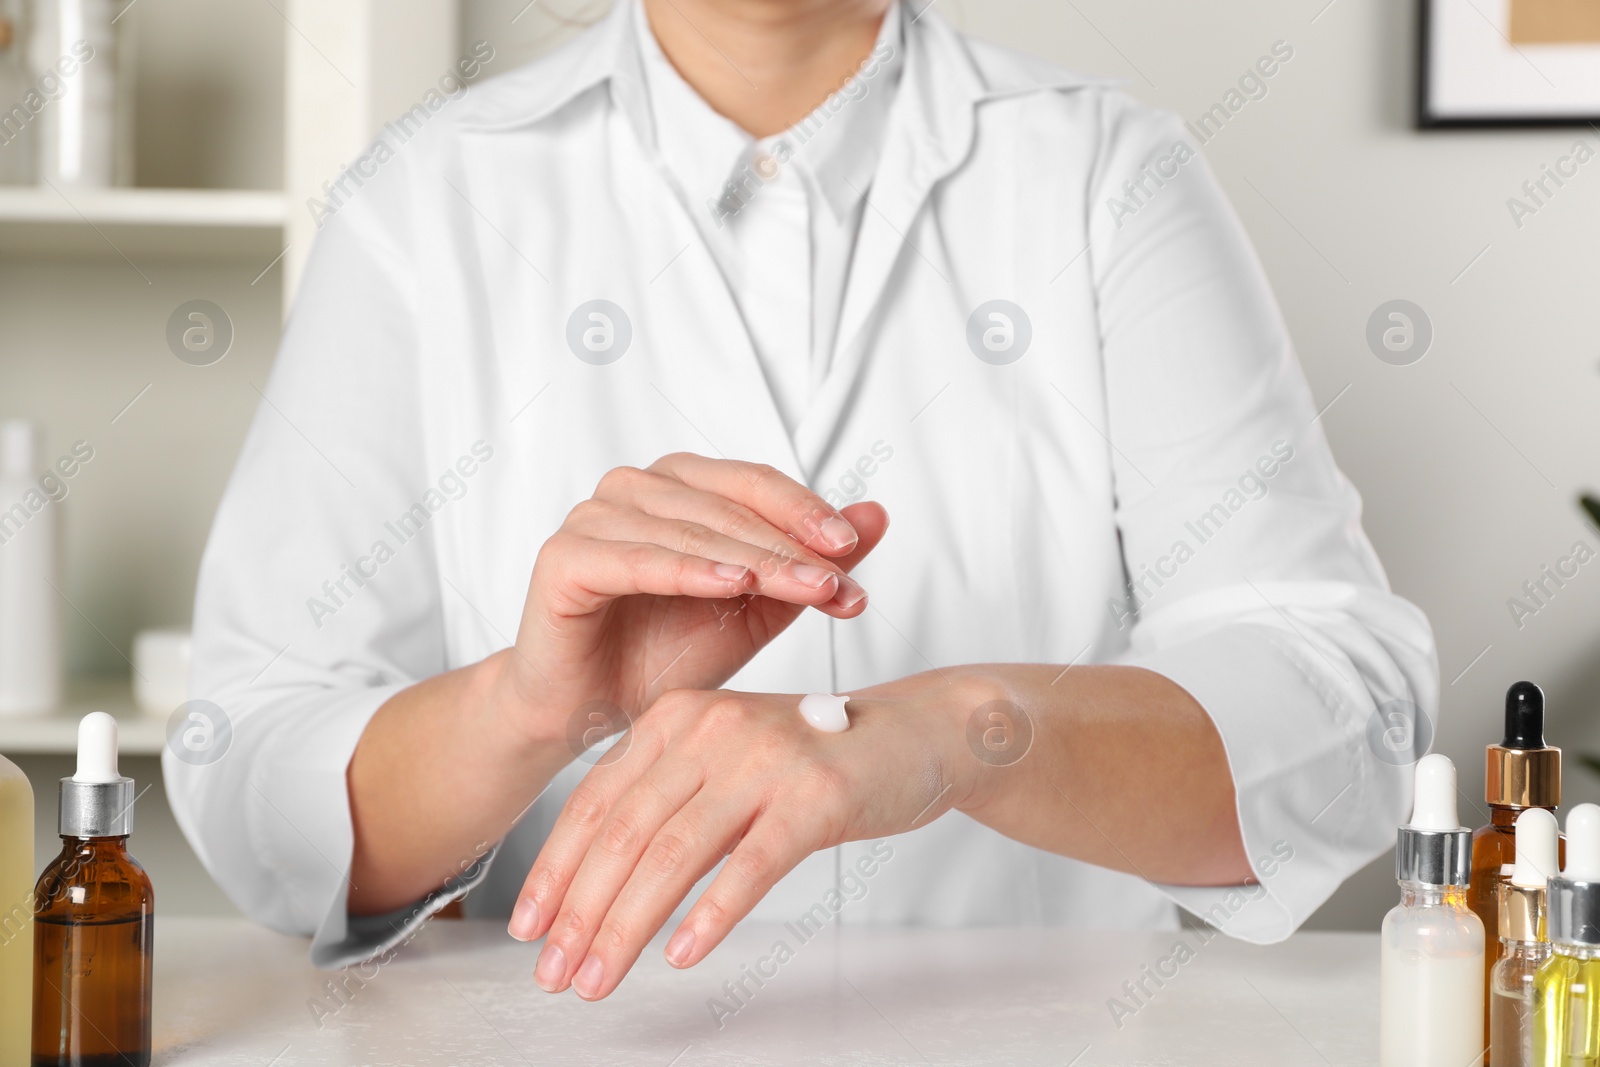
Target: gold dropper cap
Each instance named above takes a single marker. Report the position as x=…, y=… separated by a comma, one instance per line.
x=1522, y=771
x=8, y=33
x=1522, y=912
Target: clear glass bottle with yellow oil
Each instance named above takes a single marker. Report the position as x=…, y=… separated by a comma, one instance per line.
x=1523, y=944
x=1566, y=988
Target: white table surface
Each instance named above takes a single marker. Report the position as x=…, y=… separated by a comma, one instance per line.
x=462, y=994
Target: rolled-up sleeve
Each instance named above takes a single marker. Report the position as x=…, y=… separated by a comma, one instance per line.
x=1251, y=582
x=317, y=601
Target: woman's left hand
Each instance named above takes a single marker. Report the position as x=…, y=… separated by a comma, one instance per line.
x=713, y=775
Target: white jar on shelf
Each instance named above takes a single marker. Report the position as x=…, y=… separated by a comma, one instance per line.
x=81, y=54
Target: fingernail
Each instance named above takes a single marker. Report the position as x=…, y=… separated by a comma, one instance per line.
x=850, y=593
x=816, y=577
x=524, y=920
x=587, y=980
x=551, y=968
x=680, y=946
x=838, y=534
x=731, y=572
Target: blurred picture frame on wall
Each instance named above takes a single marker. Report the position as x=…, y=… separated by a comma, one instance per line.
x=1488, y=63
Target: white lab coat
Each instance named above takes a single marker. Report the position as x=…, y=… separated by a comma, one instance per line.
x=426, y=373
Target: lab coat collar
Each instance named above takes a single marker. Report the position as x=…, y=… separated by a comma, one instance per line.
x=603, y=55
x=606, y=54
x=838, y=145
x=835, y=147
x=945, y=80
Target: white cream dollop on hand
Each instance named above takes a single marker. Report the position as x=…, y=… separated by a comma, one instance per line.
x=825, y=712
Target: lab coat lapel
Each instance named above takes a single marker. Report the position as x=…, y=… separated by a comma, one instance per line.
x=723, y=392
x=930, y=133
x=731, y=404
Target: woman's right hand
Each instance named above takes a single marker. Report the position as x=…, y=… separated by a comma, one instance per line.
x=673, y=577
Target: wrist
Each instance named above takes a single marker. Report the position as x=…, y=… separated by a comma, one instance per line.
x=991, y=734
x=512, y=710
x=972, y=722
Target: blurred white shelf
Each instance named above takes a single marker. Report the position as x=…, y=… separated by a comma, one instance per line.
x=56, y=733
x=143, y=225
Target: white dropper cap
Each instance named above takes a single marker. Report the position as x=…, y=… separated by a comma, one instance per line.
x=1435, y=804
x=97, y=749
x=97, y=801
x=1583, y=844
x=1434, y=848
x=1536, y=849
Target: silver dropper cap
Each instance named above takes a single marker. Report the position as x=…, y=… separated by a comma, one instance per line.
x=97, y=801
x=1434, y=848
x=1433, y=857
x=1573, y=917
x=1574, y=897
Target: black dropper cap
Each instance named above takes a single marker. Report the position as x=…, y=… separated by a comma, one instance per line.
x=1524, y=717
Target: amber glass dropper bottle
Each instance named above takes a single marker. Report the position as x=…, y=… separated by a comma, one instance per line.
x=93, y=921
x=1522, y=772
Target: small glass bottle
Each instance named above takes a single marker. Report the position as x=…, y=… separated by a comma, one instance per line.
x=93, y=921
x=1431, y=998
x=1521, y=772
x=1523, y=948
x=16, y=922
x=1566, y=988
x=17, y=163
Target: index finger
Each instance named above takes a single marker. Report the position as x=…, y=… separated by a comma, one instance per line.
x=770, y=493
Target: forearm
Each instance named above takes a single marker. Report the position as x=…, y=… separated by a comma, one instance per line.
x=1125, y=770
x=441, y=769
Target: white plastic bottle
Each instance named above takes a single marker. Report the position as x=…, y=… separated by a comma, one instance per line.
x=1431, y=1008
x=30, y=626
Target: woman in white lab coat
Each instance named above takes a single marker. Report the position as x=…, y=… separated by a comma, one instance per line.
x=592, y=373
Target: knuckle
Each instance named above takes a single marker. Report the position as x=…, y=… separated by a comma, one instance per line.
x=750, y=863
x=768, y=478
x=612, y=938
x=673, y=460
x=728, y=712
x=586, y=806
x=620, y=835
x=678, y=702
x=764, y=471
x=541, y=884
x=555, y=549
x=809, y=518
x=620, y=480
x=714, y=912
x=588, y=514
x=739, y=522
x=669, y=854
x=638, y=557
x=574, y=924
x=694, y=539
